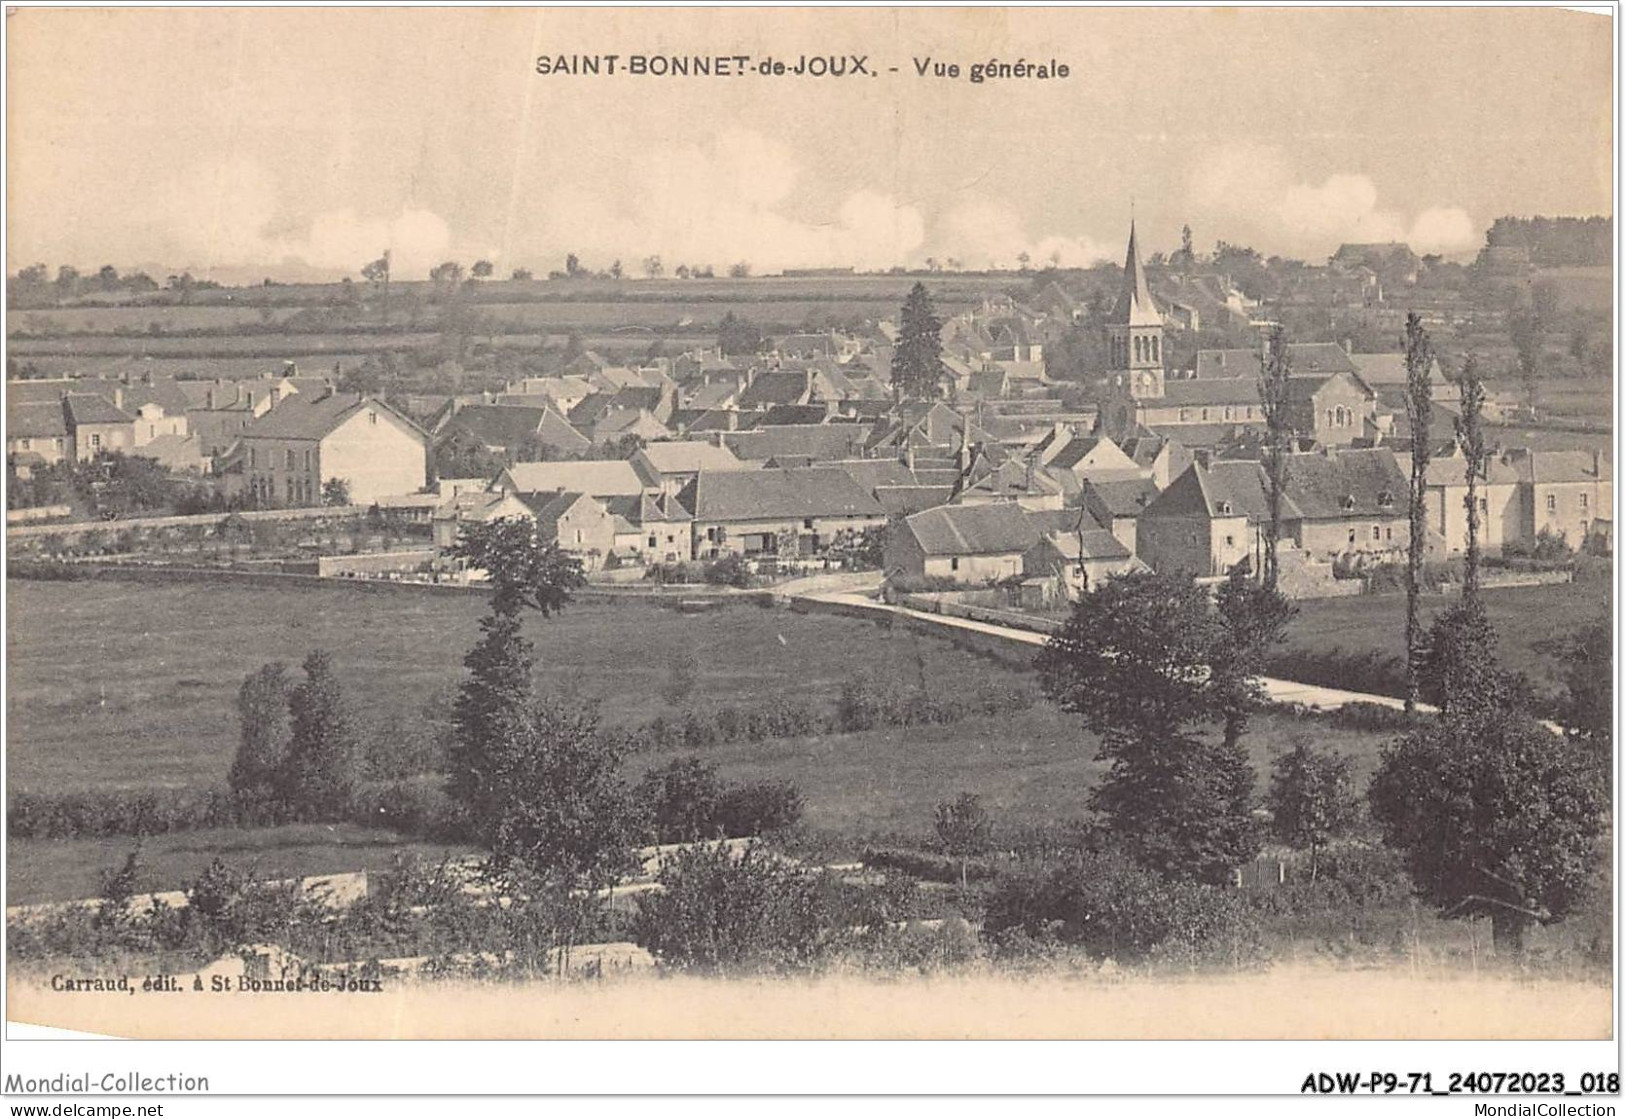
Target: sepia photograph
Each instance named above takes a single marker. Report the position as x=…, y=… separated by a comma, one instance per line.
x=863, y=524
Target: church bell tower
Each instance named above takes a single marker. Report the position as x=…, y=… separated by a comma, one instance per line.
x=1134, y=333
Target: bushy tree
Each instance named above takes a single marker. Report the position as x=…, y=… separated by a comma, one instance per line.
x=916, y=365
x=262, y=710
x=491, y=706
x=336, y=491
x=1459, y=673
x=1133, y=659
x=1587, y=708
x=1496, y=817
x=738, y=336
x=964, y=829
x=1311, y=799
x=1252, y=620
x=722, y=913
x=680, y=799
x=322, y=767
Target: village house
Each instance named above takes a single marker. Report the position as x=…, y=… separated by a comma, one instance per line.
x=1012, y=480
x=1385, y=375
x=37, y=433
x=505, y=429
x=1567, y=493
x=98, y=425
x=971, y=544
x=784, y=513
x=1117, y=504
x=601, y=479
x=1165, y=459
x=1078, y=560
x=288, y=455
x=652, y=525
x=1501, y=515
x=1207, y=521
x=473, y=507
x=670, y=465
x=1345, y=503
x=579, y=524
x=219, y=412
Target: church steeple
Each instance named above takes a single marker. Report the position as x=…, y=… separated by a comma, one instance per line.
x=1134, y=305
x=1134, y=331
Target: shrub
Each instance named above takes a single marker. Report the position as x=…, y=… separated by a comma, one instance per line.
x=1364, y=715
x=1112, y=908
x=680, y=800
x=721, y=914
x=416, y=808
x=758, y=808
x=928, y=866
x=732, y=570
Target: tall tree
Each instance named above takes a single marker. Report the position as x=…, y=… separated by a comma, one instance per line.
x=1587, y=708
x=1470, y=435
x=916, y=364
x=377, y=273
x=1497, y=818
x=1133, y=659
x=1419, y=409
x=1251, y=621
x=1275, y=373
x=262, y=711
x=964, y=829
x=491, y=707
x=322, y=768
x=1311, y=799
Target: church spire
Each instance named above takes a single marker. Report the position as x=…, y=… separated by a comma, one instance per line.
x=1134, y=305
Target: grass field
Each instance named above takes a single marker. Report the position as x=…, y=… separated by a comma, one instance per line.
x=116, y=685
x=1527, y=620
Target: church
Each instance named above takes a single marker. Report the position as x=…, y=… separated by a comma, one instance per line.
x=1218, y=401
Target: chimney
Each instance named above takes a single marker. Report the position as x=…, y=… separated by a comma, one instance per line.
x=118, y=396
x=1596, y=463
x=208, y=398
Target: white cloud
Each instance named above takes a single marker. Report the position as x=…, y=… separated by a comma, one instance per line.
x=715, y=203
x=1254, y=189
x=227, y=216
x=984, y=233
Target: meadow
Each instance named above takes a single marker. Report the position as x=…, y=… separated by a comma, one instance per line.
x=1531, y=624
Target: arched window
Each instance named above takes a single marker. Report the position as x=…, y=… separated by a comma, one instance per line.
x=1139, y=348
x=1156, y=348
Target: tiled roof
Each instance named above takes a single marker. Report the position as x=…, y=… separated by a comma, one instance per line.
x=90, y=408
x=781, y=415
x=686, y=457
x=307, y=416
x=500, y=425
x=903, y=500
x=1345, y=484
x=1089, y=544
x=1306, y=357
x=746, y=495
x=973, y=530
x=601, y=479
x=1124, y=498
x=28, y=419
x=1225, y=489
x=817, y=441
x=776, y=388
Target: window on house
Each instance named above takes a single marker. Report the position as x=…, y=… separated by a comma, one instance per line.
x=307, y=460
x=1551, y=503
x=1483, y=505
x=807, y=523
x=1585, y=501
x=58, y=442
x=1351, y=536
x=1184, y=414
x=96, y=441
x=290, y=458
x=23, y=443
x=1376, y=532
x=253, y=456
x=1229, y=541
x=1204, y=413
x=1390, y=532
x=578, y=536
x=654, y=542
x=953, y=564
x=372, y=417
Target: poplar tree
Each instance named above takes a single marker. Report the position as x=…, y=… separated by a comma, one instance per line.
x=1419, y=410
x=319, y=775
x=1274, y=373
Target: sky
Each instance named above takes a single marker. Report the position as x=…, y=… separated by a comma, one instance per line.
x=302, y=143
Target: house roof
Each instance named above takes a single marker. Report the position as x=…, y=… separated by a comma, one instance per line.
x=973, y=530
x=754, y=495
x=1547, y=467
x=874, y=472
x=1088, y=544
x=1013, y=479
x=648, y=508
x=1224, y=489
x=1389, y=370
x=1306, y=358
x=686, y=457
x=502, y=425
x=548, y=510
x=311, y=417
x=781, y=414
x=1127, y=497
x=31, y=419
x=816, y=441
x=165, y=392
x=715, y=395
x=777, y=387
x=90, y=408
x=1224, y=391
x=903, y=500
x=1347, y=483
x=1134, y=305
x=601, y=479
